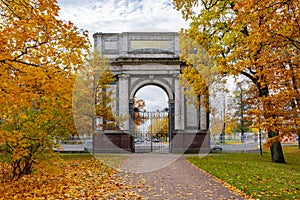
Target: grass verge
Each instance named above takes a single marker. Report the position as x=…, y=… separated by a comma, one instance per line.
x=111, y=160
x=257, y=176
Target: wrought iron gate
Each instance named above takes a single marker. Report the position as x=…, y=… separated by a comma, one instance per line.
x=151, y=131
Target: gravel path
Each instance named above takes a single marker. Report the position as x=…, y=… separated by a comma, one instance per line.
x=170, y=177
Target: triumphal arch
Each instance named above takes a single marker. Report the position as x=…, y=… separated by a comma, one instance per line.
x=138, y=59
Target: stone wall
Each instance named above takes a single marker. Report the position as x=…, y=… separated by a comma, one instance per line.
x=111, y=142
x=190, y=141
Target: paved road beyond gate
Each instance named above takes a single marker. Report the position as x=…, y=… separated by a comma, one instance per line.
x=151, y=131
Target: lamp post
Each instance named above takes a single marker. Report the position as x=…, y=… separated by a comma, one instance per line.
x=151, y=130
x=167, y=131
x=242, y=112
x=222, y=136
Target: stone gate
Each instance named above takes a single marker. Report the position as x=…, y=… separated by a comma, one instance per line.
x=150, y=58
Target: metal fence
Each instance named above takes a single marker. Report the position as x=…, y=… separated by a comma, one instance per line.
x=151, y=131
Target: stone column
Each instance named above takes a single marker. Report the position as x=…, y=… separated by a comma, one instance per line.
x=179, y=105
x=124, y=99
x=203, y=118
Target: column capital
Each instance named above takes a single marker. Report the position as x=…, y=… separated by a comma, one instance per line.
x=123, y=76
x=176, y=76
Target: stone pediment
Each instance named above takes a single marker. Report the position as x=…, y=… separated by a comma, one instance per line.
x=150, y=51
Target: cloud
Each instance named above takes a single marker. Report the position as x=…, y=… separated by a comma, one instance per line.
x=121, y=16
x=155, y=97
x=124, y=16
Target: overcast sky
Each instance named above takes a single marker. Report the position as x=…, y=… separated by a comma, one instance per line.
x=121, y=15
x=124, y=16
x=155, y=98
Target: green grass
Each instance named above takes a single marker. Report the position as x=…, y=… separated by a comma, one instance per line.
x=110, y=160
x=256, y=176
x=71, y=156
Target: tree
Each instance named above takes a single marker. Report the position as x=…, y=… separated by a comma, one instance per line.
x=231, y=125
x=138, y=105
x=93, y=97
x=219, y=113
x=240, y=106
x=160, y=126
x=39, y=56
x=259, y=40
x=216, y=126
x=104, y=101
x=200, y=78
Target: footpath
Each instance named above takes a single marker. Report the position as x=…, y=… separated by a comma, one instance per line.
x=165, y=176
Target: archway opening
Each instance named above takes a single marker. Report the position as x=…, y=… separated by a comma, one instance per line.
x=151, y=120
x=155, y=97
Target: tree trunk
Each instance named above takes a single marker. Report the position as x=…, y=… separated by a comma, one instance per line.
x=276, y=149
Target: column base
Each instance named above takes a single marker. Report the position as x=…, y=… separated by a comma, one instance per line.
x=190, y=141
x=112, y=141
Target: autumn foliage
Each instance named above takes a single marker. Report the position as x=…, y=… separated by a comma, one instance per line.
x=200, y=77
x=84, y=178
x=105, y=102
x=39, y=56
x=93, y=97
x=160, y=126
x=138, y=106
x=259, y=40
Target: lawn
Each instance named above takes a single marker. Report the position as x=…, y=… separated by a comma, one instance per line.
x=110, y=160
x=75, y=176
x=254, y=175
